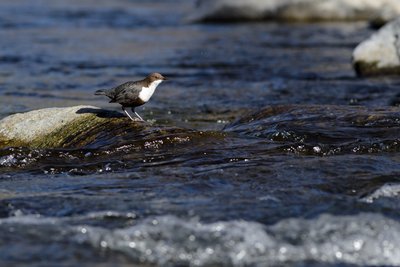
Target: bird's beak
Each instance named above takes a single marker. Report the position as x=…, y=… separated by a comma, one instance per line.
x=164, y=79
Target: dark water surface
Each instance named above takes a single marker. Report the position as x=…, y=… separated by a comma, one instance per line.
x=281, y=155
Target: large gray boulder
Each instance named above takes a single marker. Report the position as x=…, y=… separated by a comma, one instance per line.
x=57, y=127
x=296, y=10
x=380, y=53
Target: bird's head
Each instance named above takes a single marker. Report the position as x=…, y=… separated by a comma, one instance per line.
x=155, y=76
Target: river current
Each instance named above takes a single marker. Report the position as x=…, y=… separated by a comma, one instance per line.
x=263, y=149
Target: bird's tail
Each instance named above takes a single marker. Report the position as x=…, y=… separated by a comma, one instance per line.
x=100, y=92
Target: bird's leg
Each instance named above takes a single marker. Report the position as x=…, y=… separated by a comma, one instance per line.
x=127, y=113
x=133, y=110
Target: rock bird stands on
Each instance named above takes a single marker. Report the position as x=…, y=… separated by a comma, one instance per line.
x=133, y=94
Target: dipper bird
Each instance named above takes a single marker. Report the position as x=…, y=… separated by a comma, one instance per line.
x=133, y=94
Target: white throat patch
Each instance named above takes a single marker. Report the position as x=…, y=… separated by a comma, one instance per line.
x=147, y=92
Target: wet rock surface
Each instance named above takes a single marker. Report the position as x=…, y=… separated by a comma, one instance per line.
x=379, y=54
x=324, y=130
x=318, y=130
x=293, y=10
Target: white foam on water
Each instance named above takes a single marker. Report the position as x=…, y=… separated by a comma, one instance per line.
x=387, y=190
x=169, y=240
x=363, y=239
x=8, y=161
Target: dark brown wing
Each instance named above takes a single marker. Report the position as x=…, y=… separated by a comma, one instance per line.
x=126, y=94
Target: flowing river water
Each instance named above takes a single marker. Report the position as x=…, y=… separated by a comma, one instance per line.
x=263, y=149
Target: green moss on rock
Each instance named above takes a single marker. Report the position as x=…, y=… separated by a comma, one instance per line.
x=59, y=127
x=89, y=127
x=363, y=68
x=72, y=133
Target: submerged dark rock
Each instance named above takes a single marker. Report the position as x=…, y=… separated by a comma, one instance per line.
x=323, y=129
x=308, y=129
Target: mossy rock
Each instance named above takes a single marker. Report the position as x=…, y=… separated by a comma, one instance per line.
x=89, y=128
x=364, y=68
x=379, y=54
x=59, y=127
